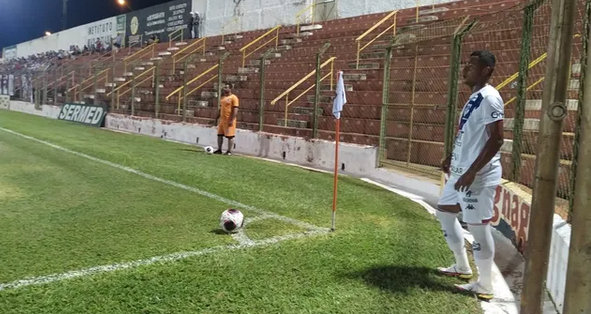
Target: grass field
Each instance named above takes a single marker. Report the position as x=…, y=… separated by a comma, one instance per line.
x=67, y=203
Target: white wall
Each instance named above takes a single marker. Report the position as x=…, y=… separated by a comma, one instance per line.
x=351, y=8
x=79, y=35
x=47, y=111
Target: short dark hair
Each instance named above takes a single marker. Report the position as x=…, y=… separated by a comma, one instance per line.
x=485, y=57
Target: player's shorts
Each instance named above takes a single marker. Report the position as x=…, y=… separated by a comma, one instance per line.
x=476, y=203
x=225, y=130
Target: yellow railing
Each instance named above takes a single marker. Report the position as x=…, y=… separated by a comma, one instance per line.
x=312, y=8
x=274, y=38
x=151, y=70
x=79, y=88
x=418, y=9
x=226, y=27
x=300, y=82
x=149, y=50
x=189, y=50
x=178, y=34
x=71, y=74
x=180, y=89
x=516, y=74
x=393, y=15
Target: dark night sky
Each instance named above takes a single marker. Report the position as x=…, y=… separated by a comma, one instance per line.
x=23, y=20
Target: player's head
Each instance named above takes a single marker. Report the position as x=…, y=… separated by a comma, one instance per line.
x=227, y=89
x=479, y=68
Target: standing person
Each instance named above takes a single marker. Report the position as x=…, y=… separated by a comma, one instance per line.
x=190, y=24
x=227, y=119
x=196, y=24
x=474, y=170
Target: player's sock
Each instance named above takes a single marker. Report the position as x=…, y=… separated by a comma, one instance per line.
x=452, y=230
x=484, y=253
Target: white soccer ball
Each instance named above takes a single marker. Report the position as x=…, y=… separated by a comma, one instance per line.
x=231, y=220
x=209, y=149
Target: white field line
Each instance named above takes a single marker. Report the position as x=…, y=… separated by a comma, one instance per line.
x=153, y=260
x=216, y=197
x=504, y=301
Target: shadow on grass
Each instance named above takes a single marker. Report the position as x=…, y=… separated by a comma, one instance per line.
x=400, y=279
x=218, y=231
x=192, y=150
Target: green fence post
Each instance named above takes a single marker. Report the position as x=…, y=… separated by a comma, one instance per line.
x=517, y=148
x=385, y=102
x=317, y=89
x=452, y=95
x=262, y=68
x=157, y=91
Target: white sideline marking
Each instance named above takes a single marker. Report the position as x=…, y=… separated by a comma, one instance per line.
x=175, y=184
x=153, y=260
x=504, y=301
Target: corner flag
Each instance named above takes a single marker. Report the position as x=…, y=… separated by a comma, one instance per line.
x=339, y=101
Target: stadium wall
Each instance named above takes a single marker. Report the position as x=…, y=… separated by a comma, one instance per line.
x=351, y=8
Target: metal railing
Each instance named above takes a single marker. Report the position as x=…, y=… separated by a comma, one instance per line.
x=185, y=85
x=149, y=50
x=311, y=7
x=135, y=78
x=178, y=34
x=225, y=28
x=89, y=82
x=393, y=15
x=275, y=38
x=187, y=51
x=300, y=82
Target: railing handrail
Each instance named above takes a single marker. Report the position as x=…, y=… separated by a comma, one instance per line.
x=192, y=81
x=382, y=21
x=189, y=46
x=150, y=46
x=513, y=77
x=300, y=82
x=260, y=38
x=151, y=69
x=171, y=36
x=88, y=79
x=301, y=12
x=226, y=26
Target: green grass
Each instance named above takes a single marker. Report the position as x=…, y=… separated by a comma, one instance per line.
x=61, y=212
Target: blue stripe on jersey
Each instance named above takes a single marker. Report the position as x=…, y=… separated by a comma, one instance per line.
x=472, y=105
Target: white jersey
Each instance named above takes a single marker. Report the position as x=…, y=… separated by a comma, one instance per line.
x=484, y=107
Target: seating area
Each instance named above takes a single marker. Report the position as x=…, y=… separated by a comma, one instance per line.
x=148, y=81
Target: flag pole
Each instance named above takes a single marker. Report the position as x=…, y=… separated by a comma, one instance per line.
x=336, y=174
x=339, y=101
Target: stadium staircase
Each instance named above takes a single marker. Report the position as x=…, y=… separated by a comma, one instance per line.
x=294, y=57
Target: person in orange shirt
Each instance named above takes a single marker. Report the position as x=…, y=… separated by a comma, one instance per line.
x=227, y=119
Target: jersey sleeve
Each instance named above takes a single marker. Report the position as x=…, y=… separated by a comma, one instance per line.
x=493, y=109
x=235, y=102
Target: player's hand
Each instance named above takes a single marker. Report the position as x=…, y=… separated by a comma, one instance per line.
x=445, y=164
x=465, y=181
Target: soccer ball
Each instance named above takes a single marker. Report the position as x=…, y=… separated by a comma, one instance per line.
x=231, y=220
x=209, y=149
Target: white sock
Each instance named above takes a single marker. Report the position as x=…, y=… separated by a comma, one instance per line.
x=454, y=236
x=484, y=253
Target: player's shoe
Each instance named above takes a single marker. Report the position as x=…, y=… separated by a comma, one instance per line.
x=454, y=271
x=218, y=152
x=228, y=154
x=477, y=289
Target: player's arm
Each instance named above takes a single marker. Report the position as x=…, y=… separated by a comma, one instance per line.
x=234, y=112
x=491, y=148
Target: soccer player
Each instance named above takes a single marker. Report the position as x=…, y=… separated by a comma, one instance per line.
x=227, y=119
x=474, y=170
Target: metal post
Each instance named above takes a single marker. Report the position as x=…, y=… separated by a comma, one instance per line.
x=385, y=103
x=452, y=94
x=317, y=89
x=44, y=100
x=220, y=78
x=578, y=278
x=133, y=97
x=528, y=21
x=262, y=68
x=157, y=87
x=185, y=90
x=412, y=106
x=577, y=140
x=548, y=157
